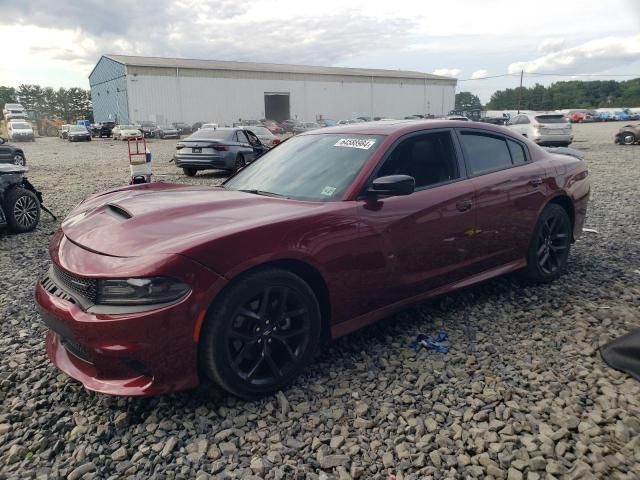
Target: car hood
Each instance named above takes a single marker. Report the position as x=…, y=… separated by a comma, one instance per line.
x=171, y=218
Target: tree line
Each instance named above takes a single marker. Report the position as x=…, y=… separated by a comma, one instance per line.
x=66, y=103
x=570, y=94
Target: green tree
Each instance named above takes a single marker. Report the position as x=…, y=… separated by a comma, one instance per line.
x=467, y=101
x=7, y=95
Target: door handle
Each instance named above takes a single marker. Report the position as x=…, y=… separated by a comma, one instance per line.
x=535, y=182
x=464, y=205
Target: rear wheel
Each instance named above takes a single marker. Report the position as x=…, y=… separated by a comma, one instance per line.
x=549, y=247
x=261, y=333
x=22, y=209
x=628, y=138
x=189, y=172
x=240, y=163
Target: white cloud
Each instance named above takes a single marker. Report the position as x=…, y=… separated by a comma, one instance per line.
x=551, y=45
x=479, y=73
x=590, y=57
x=447, y=72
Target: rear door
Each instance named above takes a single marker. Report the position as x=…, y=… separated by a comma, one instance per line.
x=510, y=191
x=245, y=146
x=418, y=242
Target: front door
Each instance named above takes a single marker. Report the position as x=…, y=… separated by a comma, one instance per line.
x=418, y=242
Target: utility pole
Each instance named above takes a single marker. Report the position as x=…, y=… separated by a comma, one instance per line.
x=520, y=91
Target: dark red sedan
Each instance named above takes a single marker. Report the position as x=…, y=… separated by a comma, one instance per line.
x=155, y=288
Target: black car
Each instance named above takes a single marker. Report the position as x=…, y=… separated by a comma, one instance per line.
x=149, y=129
x=78, y=133
x=102, y=129
x=183, y=128
x=11, y=154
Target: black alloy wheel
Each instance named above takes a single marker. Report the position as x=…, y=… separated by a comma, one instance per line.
x=240, y=162
x=261, y=333
x=549, y=248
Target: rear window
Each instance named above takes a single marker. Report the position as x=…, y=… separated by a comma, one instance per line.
x=485, y=152
x=551, y=119
x=210, y=134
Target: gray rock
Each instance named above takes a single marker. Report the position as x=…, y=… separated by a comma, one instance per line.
x=80, y=471
x=331, y=461
x=119, y=455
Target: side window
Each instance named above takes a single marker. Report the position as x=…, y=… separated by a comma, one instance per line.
x=518, y=154
x=253, y=140
x=429, y=158
x=485, y=152
x=242, y=138
x=525, y=120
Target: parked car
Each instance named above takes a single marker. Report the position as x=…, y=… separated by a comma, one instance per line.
x=327, y=122
x=606, y=116
x=305, y=127
x=149, y=129
x=63, y=132
x=125, y=132
x=223, y=148
x=158, y=288
x=78, y=133
x=273, y=126
x=13, y=111
x=288, y=125
x=575, y=117
x=182, y=128
x=11, y=153
x=543, y=128
x=104, y=129
x=458, y=117
x=628, y=135
x=209, y=125
x=267, y=138
x=167, y=131
x=19, y=130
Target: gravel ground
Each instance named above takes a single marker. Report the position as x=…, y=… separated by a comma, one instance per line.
x=523, y=393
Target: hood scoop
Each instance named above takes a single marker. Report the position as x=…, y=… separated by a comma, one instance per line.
x=118, y=211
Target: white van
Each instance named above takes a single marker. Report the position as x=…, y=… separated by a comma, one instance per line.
x=20, y=130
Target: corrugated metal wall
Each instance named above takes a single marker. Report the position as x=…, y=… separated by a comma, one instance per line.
x=168, y=95
x=109, y=92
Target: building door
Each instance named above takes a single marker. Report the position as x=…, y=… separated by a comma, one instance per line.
x=276, y=106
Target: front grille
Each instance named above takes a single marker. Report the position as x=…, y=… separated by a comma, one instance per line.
x=85, y=287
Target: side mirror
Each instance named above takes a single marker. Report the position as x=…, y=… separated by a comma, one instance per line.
x=393, y=185
x=2, y=140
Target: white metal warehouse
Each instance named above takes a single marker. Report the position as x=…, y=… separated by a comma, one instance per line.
x=129, y=89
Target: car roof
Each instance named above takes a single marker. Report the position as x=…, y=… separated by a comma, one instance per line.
x=401, y=127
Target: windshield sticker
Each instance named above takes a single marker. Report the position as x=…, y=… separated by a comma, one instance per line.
x=362, y=143
x=328, y=191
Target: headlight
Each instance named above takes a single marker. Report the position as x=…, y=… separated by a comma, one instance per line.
x=140, y=291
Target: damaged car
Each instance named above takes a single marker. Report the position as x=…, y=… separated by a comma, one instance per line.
x=160, y=287
x=628, y=135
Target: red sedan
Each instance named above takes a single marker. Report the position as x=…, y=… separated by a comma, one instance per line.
x=158, y=287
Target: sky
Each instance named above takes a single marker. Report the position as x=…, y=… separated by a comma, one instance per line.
x=57, y=43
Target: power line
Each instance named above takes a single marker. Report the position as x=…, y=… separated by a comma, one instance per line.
x=492, y=76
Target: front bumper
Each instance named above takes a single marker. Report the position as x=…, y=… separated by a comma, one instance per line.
x=125, y=350
x=203, y=162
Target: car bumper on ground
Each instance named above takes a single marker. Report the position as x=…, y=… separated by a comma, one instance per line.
x=203, y=162
x=125, y=351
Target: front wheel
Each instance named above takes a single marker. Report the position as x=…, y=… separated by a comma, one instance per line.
x=22, y=209
x=18, y=159
x=628, y=138
x=549, y=247
x=261, y=333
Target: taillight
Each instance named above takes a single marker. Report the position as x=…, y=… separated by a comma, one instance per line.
x=276, y=141
x=537, y=125
x=179, y=146
x=218, y=147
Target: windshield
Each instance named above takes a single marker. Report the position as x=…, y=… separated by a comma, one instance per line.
x=308, y=167
x=166, y=127
x=551, y=119
x=20, y=126
x=210, y=134
x=77, y=129
x=260, y=131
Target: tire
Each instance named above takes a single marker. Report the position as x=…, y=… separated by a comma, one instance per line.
x=22, y=210
x=548, y=251
x=240, y=163
x=628, y=138
x=18, y=159
x=258, y=352
x=189, y=172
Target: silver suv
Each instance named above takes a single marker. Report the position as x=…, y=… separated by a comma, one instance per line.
x=543, y=128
